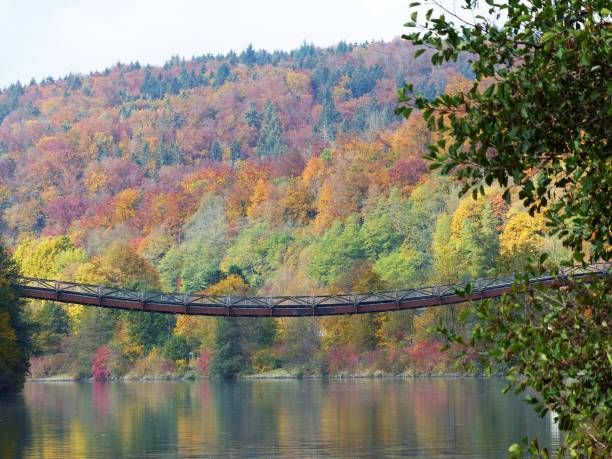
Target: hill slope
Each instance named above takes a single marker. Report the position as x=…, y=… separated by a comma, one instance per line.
x=278, y=173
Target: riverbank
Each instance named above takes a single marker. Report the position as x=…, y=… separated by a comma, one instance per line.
x=273, y=374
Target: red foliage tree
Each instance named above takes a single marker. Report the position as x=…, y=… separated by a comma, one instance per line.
x=204, y=361
x=99, y=364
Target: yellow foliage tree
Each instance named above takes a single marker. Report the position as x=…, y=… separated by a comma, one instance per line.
x=411, y=137
x=261, y=195
x=423, y=321
x=298, y=83
x=38, y=258
x=96, y=180
x=445, y=266
x=51, y=258
x=124, y=205
x=334, y=204
x=231, y=285
x=131, y=349
x=312, y=173
x=298, y=202
x=87, y=273
x=523, y=236
x=201, y=329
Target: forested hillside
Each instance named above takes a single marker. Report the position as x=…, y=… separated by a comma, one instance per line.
x=256, y=172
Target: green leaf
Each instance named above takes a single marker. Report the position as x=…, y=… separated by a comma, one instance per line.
x=547, y=36
x=506, y=196
x=515, y=451
x=419, y=52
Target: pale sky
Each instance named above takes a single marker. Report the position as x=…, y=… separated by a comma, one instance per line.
x=55, y=37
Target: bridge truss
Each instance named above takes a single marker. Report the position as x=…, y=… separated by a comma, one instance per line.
x=283, y=306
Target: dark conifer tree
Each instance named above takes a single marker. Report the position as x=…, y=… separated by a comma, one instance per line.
x=271, y=142
x=216, y=154
x=15, y=348
x=248, y=56
x=222, y=74
x=235, y=151
x=253, y=117
x=228, y=357
x=327, y=126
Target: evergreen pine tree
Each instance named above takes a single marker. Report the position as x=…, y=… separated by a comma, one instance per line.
x=216, y=154
x=228, y=358
x=327, y=126
x=9, y=103
x=168, y=156
x=248, y=56
x=235, y=151
x=253, y=117
x=222, y=73
x=151, y=87
x=271, y=142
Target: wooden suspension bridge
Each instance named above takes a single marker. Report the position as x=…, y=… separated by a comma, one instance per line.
x=284, y=306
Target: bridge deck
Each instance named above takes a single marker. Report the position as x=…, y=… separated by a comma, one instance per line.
x=279, y=306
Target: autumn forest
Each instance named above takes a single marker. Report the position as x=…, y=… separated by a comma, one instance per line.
x=251, y=172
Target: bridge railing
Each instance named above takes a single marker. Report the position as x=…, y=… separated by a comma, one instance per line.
x=294, y=301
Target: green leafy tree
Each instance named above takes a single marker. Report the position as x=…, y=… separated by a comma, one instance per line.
x=557, y=342
x=401, y=268
x=178, y=347
x=258, y=334
x=194, y=265
x=379, y=235
x=301, y=341
x=15, y=348
x=200, y=267
x=229, y=357
x=536, y=119
x=416, y=219
x=336, y=251
x=169, y=269
x=257, y=251
x=96, y=328
x=148, y=329
x=51, y=326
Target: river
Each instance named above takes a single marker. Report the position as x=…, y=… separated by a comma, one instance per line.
x=421, y=418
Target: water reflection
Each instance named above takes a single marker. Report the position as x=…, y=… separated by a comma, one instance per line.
x=355, y=418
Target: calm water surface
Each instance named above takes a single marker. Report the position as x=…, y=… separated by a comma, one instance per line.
x=424, y=418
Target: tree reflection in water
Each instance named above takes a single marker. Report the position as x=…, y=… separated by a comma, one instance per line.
x=285, y=418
